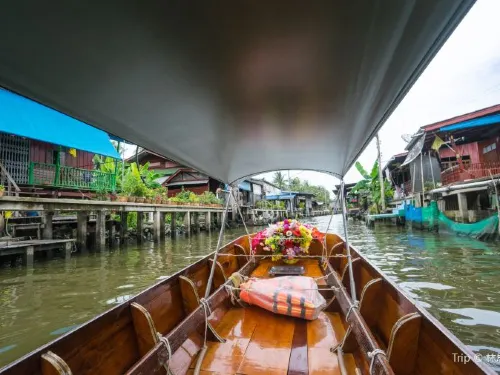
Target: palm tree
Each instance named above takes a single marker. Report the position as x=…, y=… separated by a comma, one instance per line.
x=279, y=179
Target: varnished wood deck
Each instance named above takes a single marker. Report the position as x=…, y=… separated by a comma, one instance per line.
x=310, y=265
x=260, y=342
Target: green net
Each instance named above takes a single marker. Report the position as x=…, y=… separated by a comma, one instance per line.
x=431, y=218
x=483, y=229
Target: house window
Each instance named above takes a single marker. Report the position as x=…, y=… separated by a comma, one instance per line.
x=489, y=148
x=450, y=162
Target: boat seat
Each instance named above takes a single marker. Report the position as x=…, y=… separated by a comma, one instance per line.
x=395, y=330
x=145, y=329
x=242, y=256
x=191, y=301
x=220, y=276
x=52, y=364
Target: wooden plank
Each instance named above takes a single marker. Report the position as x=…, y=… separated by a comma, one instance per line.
x=361, y=331
x=298, y=364
x=152, y=361
x=90, y=336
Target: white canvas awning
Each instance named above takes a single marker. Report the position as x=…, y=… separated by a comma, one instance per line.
x=230, y=88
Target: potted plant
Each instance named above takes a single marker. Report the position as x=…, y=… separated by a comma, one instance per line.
x=112, y=197
x=148, y=196
x=122, y=197
x=2, y=190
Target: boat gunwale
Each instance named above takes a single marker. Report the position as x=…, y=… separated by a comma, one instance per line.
x=426, y=314
x=116, y=309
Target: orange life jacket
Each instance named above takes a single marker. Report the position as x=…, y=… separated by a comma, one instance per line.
x=296, y=296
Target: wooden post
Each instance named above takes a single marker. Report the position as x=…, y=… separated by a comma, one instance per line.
x=196, y=221
x=67, y=249
x=140, y=227
x=496, y=199
x=380, y=176
x=81, y=230
x=208, y=221
x=162, y=226
x=47, y=221
x=187, y=222
x=173, y=225
x=29, y=256
x=432, y=170
x=414, y=178
x=422, y=175
x=156, y=226
x=110, y=225
x=100, y=230
x=123, y=226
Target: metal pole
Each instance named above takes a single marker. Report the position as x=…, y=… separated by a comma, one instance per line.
x=219, y=241
x=380, y=176
x=348, y=249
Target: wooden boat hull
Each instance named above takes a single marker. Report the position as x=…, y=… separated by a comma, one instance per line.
x=124, y=339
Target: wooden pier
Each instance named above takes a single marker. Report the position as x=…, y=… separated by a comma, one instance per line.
x=83, y=208
x=28, y=248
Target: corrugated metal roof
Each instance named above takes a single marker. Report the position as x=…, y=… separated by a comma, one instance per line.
x=26, y=118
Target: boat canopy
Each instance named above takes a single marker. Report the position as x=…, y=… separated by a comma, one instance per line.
x=230, y=88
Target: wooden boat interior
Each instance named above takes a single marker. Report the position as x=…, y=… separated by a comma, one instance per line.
x=163, y=328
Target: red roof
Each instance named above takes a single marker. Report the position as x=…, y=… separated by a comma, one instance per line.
x=465, y=117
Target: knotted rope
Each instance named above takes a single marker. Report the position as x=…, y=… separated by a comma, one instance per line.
x=165, y=342
x=373, y=354
x=206, y=309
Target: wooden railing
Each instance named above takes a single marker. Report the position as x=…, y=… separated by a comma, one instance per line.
x=10, y=185
x=72, y=178
x=471, y=172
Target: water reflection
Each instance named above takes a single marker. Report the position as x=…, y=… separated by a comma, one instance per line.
x=456, y=279
x=54, y=297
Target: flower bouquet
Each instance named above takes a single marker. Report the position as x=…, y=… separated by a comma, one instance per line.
x=286, y=240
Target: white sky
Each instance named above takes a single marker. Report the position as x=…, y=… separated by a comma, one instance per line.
x=463, y=77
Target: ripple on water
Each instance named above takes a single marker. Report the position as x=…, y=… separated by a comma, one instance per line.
x=476, y=317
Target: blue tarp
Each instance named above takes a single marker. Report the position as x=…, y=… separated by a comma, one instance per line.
x=26, y=118
x=487, y=120
x=245, y=185
x=279, y=197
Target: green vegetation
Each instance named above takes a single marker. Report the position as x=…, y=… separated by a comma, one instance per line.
x=369, y=188
x=269, y=205
x=301, y=186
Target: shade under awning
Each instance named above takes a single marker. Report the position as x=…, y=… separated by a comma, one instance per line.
x=26, y=118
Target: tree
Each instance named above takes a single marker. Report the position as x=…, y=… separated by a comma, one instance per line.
x=370, y=185
x=279, y=179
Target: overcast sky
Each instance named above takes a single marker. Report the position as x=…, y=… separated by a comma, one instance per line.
x=464, y=76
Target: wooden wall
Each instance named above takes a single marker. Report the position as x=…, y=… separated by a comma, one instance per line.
x=470, y=149
x=42, y=152
x=490, y=156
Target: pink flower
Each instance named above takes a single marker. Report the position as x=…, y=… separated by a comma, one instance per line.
x=290, y=254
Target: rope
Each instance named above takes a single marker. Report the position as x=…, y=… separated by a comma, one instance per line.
x=355, y=305
x=206, y=309
x=165, y=342
x=373, y=355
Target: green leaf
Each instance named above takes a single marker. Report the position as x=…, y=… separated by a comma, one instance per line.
x=361, y=170
x=374, y=173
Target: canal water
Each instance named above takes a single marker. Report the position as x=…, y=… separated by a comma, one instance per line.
x=456, y=279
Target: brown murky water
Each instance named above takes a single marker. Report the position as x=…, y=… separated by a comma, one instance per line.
x=456, y=279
